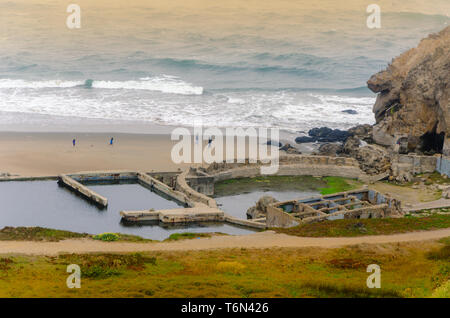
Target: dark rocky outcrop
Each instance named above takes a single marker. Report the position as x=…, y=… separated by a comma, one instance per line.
x=324, y=134
x=304, y=139
x=412, y=109
x=274, y=143
x=290, y=149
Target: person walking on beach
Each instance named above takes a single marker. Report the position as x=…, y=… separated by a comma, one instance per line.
x=111, y=142
x=74, y=141
x=209, y=142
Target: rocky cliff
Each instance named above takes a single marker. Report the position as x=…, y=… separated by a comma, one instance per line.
x=412, y=109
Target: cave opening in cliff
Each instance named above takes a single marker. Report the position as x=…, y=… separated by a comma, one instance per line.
x=433, y=142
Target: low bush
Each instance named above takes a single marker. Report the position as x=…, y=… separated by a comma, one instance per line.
x=107, y=237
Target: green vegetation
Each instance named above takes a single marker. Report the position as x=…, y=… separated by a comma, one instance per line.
x=106, y=265
x=434, y=178
x=185, y=236
x=188, y=236
x=107, y=237
x=266, y=183
x=336, y=185
x=51, y=235
x=37, y=234
x=362, y=227
x=132, y=238
x=325, y=185
x=409, y=270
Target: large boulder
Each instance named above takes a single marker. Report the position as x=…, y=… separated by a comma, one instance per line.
x=363, y=132
x=351, y=146
x=260, y=209
x=414, y=97
x=330, y=149
x=372, y=159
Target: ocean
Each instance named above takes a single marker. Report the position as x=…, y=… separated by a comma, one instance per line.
x=291, y=65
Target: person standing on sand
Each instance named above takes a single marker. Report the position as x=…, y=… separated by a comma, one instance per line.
x=111, y=142
x=74, y=141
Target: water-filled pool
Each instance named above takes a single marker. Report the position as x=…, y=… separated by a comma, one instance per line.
x=45, y=204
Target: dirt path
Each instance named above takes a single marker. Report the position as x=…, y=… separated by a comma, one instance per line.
x=441, y=203
x=267, y=239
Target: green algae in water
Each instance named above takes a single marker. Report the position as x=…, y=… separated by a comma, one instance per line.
x=268, y=183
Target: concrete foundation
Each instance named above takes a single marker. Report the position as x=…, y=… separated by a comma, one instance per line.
x=198, y=214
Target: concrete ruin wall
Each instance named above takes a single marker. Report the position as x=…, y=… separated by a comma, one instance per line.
x=297, y=166
x=168, y=178
x=413, y=164
x=104, y=176
x=202, y=184
x=154, y=184
x=278, y=218
x=373, y=212
x=443, y=165
x=193, y=195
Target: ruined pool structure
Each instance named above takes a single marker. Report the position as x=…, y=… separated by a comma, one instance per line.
x=359, y=204
x=196, y=186
x=156, y=204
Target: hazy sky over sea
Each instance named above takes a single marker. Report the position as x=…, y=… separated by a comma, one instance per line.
x=172, y=24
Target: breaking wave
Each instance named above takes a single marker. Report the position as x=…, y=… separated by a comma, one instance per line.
x=164, y=84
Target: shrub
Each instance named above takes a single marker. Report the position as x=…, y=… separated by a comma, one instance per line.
x=106, y=265
x=442, y=254
x=107, y=237
x=5, y=263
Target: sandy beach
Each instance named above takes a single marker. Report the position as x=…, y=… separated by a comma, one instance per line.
x=50, y=154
